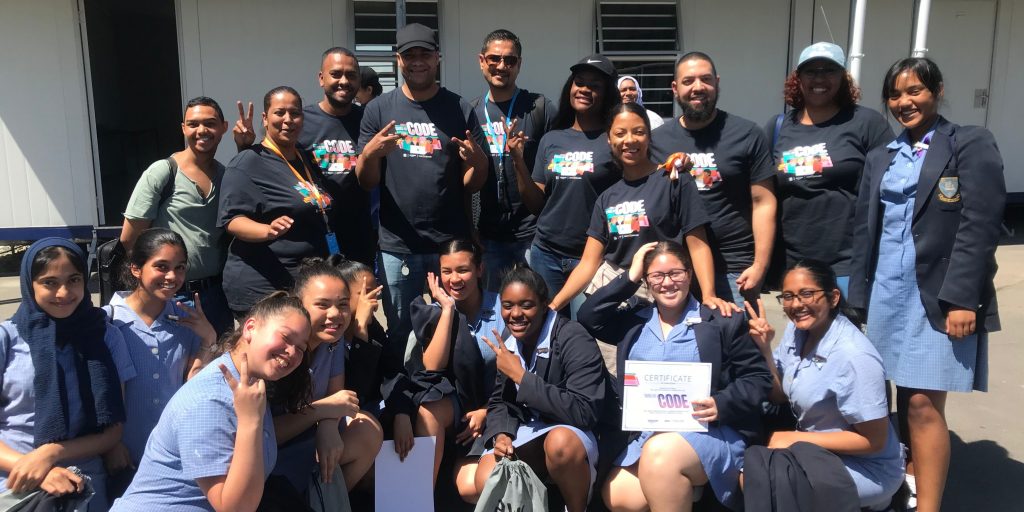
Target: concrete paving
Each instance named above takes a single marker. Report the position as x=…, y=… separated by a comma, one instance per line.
x=988, y=441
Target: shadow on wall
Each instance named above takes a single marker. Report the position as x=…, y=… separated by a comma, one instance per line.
x=982, y=476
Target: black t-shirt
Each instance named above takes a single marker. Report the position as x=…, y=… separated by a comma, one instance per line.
x=503, y=217
x=422, y=201
x=332, y=142
x=259, y=185
x=575, y=167
x=818, y=173
x=728, y=155
x=650, y=209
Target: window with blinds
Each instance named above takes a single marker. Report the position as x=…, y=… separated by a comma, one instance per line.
x=374, y=25
x=642, y=40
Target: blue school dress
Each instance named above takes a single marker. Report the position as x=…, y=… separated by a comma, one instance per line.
x=18, y=406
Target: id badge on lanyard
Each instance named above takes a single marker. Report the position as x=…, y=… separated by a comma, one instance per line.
x=330, y=237
x=332, y=243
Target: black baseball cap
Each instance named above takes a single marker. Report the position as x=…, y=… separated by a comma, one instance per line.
x=415, y=35
x=597, y=62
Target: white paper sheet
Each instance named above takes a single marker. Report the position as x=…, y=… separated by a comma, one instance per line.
x=405, y=486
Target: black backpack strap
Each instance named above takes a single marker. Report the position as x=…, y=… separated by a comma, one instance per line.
x=168, y=189
x=778, y=127
x=539, y=116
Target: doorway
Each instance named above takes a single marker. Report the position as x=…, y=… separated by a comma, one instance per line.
x=136, y=92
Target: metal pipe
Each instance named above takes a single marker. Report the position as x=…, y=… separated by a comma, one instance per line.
x=924, y=8
x=857, y=39
x=399, y=23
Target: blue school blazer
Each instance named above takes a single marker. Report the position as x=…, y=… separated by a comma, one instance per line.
x=957, y=215
x=740, y=379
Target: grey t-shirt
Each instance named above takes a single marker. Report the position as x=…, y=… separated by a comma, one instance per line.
x=186, y=212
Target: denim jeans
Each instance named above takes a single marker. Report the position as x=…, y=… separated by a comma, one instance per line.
x=555, y=270
x=401, y=287
x=499, y=257
x=727, y=289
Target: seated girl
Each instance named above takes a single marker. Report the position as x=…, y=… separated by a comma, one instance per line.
x=317, y=436
x=658, y=470
x=215, y=442
x=550, y=392
x=832, y=377
x=63, y=365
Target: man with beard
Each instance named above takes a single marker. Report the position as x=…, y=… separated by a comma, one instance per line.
x=330, y=133
x=431, y=141
x=732, y=168
x=506, y=227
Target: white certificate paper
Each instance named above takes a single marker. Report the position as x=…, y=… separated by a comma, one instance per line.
x=407, y=486
x=657, y=396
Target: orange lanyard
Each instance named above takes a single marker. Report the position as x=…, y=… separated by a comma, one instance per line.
x=309, y=177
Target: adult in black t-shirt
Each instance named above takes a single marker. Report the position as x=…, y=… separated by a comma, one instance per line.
x=330, y=133
x=733, y=171
x=643, y=207
x=431, y=141
x=819, y=150
x=572, y=167
x=505, y=226
x=274, y=203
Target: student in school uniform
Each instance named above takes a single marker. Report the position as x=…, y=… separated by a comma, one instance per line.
x=62, y=365
x=833, y=380
x=931, y=203
x=449, y=331
x=551, y=390
x=168, y=341
x=215, y=442
x=319, y=436
x=659, y=470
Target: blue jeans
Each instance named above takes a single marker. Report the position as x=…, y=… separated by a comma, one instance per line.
x=843, y=282
x=555, y=270
x=727, y=289
x=400, y=288
x=499, y=257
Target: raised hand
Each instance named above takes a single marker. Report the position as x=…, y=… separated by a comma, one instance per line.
x=676, y=164
x=250, y=394
x=468, y=148
x=279, y=227
x=382, y=142
x=437, y=292
x=515, y=141
x=508, y=362
x=366, y=305
x=760, y=330
x=197, y=321
x=243, y=132
x=636, y=268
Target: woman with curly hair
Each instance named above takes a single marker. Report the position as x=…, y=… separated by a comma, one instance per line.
x=819, y=147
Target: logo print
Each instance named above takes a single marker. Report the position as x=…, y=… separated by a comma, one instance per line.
x=949, y=189
x=495, y=136
x=572, y=164
x=705, y=170
x=418, y=139
x=804, y=161
x=309, y=198
x=626, y=218
x=335, y=156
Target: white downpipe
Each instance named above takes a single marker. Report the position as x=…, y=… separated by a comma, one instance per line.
x=924, y=8
x=857, y=38
x=399, y=23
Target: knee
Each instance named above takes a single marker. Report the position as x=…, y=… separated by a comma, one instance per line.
x=367, y=432
x=622, y=497
x=465, y=482
x=922, y=408
x=562, y=448
x=660, y=454
x=436, y=416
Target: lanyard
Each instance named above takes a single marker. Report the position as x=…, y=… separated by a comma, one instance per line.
x=308, y=182
x=500, y=140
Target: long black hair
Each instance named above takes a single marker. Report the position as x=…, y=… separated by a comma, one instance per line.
x=566, y=116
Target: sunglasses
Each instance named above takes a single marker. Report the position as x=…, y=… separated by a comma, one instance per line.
x=509, y=60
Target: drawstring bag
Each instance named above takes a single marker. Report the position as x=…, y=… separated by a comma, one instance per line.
x=513, y=486
x=329, y=497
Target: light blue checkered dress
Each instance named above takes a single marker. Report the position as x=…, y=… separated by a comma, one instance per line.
x=720, y=449
x=915, y=355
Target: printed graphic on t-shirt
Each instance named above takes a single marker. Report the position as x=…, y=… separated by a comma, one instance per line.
x=626, y=218
x=804, y=161
x=335, y=156
x=572, y=164
x=495, y=137
x=418, y=139
x=705, y=170
x=309, y=197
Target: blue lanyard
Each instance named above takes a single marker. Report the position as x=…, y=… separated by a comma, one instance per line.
x=503, y=138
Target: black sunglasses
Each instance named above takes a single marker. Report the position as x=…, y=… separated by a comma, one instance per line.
x=509, y=60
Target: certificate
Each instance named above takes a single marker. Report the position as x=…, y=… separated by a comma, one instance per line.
x=657, y=396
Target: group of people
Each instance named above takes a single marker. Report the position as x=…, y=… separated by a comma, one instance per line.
x=535, y=231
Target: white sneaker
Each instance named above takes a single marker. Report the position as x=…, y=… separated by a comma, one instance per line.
x=911, y=504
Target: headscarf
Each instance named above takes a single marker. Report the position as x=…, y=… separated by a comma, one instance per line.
x=98, y=383
x=639, y=91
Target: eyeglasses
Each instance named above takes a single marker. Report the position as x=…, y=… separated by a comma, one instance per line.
x=509, y=60
x=805, y=296
x=676, y=275
x=820, y=72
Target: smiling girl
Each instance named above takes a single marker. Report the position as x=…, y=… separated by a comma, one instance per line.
x=60, y=401
x=168, y=341
x=215, y=442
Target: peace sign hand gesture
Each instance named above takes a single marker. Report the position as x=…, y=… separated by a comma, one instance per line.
x=507, y=361
x=250, y=393
x=760, y=330
x=382, y=142
x=243, y=132
x=514, y=141
x=469, y=150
